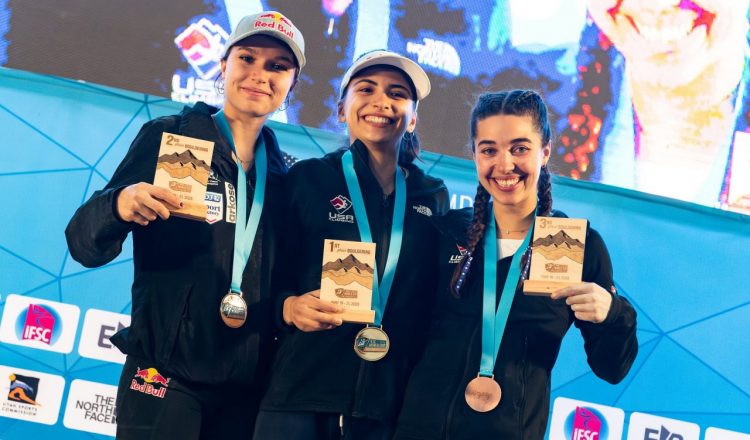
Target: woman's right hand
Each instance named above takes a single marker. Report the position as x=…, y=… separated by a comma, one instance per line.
x=142, y=203
x=309, y=313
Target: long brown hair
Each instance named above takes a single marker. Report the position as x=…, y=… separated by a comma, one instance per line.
x=516, y=103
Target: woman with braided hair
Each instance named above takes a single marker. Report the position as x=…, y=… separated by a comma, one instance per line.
x=485, y=372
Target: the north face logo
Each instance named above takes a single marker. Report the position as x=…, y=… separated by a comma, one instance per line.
x=424, y=210
x=341, y=204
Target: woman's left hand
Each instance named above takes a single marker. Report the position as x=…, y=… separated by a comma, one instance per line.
x=589, y=301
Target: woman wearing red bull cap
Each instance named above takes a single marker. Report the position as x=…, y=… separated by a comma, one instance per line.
x=334, y=380
x=199, y=345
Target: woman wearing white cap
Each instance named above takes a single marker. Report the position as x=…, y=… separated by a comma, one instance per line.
x=198, y=348
x=326, y=383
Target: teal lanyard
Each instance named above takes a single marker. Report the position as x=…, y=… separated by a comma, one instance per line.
x=381, y=290
x=246, y=228
x=493, y=324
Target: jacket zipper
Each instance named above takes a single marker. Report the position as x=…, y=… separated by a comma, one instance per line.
x=456, y=395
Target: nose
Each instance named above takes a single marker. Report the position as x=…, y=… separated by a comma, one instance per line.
x=381, y=100
x=504, y=162
x=258, y=73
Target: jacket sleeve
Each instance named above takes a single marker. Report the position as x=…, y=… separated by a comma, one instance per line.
x=611, y=346
x=290, y=236
x=95, y=233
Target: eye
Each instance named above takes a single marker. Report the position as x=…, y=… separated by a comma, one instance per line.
x=519, y=149
x=247, y=58
x=399, y=94
x=487, y=151
x=280, y=67
x=364, y=89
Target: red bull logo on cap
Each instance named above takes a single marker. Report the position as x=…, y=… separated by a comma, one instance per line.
x=274, y=21
x=153, y=382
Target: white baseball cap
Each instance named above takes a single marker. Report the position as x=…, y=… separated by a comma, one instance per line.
x=273, y=24
x=412, y=70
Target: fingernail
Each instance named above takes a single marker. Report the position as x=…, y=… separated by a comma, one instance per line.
x=339, y=322
x=182, y=205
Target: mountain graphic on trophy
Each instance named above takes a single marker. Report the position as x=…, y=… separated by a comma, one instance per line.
x=183, y=165
x=556, y=254
x=347, y=278
x=560, y=245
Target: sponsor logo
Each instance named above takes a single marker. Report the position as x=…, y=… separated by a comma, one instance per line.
x=348, y=218
x=345, y=293
x=98, y=327
x=231, y=203
x=438, y=54
x=32, y=396
x=370, y=345
x=91, y=407
x=341, y=204
x=151, y=382
x=647, y=427
x=274, y=21
x=455, y=259
x=423, y=210
x=179, y=186
x=579, y=420
x=201, y=44
x=38, y=323
x=461, y=201
x=552, y=267
x=215, y=207
x=212, y=179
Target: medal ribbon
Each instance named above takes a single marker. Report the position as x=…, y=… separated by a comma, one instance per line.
x=493, y=324
x=381, y=290
x=246, y=228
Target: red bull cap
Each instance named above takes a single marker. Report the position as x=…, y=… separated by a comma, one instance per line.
x=273, y=24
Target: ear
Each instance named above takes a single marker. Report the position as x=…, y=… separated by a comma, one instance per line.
x=223, y=69
x=295, y=81
x=412, y=122
x=546, y=152
x=340, y=111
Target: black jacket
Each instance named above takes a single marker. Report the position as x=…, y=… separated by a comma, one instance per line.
x=434, y=406
x=183, y=268
x=319, y=371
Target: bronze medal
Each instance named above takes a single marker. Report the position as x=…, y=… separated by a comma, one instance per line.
x=233, y=310
x=371, y=343
x=482, y=394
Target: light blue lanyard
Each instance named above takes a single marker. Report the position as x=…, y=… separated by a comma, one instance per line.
x=381, y=289
x=493, y=324
x=245, y=230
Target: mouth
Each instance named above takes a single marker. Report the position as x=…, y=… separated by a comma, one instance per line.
x=505, y=183
x=675, y=29
x=378, y=120
x=255, y=91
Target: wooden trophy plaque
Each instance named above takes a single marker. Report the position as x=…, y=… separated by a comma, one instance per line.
x=556, y=254
x=183, y=167
x=346, y=279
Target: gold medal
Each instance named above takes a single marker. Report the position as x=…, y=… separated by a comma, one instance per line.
x=371, y=343
x=482, y=394
x=233, y=310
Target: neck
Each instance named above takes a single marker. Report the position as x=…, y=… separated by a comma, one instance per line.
x=513, y=221
x=245, y=130
x=383, y=166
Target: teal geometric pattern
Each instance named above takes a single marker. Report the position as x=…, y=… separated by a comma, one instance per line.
x=682, y=266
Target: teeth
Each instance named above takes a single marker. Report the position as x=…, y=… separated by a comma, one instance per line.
x=506, y=183
x=377, y=119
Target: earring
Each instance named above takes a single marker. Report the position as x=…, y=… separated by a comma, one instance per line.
x=284, y=105
x=220, y=85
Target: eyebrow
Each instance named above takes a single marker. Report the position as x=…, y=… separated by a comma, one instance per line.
x=391, y=86
x=520, y=140
x=253, y=51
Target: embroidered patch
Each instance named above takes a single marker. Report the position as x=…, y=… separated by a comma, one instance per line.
x=150, y=381
x=215, y=207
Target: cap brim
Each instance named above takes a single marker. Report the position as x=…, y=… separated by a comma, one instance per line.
x=412, y=69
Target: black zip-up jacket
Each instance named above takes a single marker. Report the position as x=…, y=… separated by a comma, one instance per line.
x=434, y=405
x=319, y=371
x=183, y=268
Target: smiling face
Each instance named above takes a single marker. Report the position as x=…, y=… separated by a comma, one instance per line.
x=378, y=108
x=509, y=154
x=258, y=74
x=670, y=42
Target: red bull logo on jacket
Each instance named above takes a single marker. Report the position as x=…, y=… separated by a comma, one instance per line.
x=153, y=382
x=274, y=21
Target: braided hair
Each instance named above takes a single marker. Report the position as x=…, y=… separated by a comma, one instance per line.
x=515, y=103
